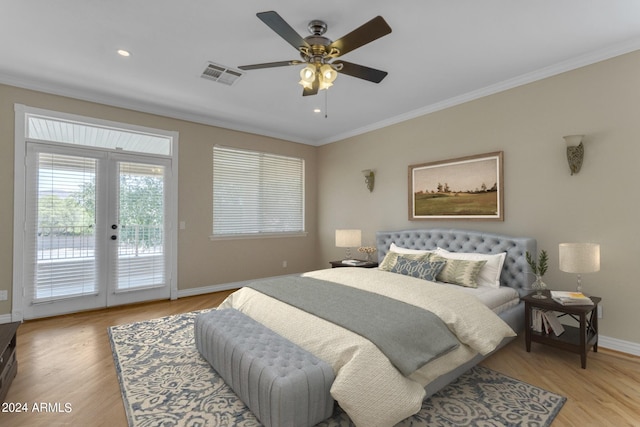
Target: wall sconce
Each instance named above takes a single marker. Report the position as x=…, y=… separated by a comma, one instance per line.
x=369, y=178
x=575, y=152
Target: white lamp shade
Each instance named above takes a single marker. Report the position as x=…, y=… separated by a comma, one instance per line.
x=579, y=257
x=348, y=238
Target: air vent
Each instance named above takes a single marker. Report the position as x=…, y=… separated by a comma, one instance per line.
x=221, y=74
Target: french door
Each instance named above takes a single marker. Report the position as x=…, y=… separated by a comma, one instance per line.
x=96, y=229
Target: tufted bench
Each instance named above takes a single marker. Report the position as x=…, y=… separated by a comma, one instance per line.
x=282, y=384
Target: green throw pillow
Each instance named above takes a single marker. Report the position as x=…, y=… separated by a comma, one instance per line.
x=459, y=272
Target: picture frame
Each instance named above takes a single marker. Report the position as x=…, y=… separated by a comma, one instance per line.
x=467, y=188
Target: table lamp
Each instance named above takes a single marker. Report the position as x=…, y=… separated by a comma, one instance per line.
x=579, y=258
x=348, y=239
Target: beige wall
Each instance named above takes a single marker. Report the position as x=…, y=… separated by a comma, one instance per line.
x=201, y=262
x=542, y=199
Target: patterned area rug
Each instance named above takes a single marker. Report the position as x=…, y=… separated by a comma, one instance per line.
x=165, y=382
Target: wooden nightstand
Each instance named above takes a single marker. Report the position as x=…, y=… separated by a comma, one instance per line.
x=8, y=361
x=364, y=264
x=576, y=339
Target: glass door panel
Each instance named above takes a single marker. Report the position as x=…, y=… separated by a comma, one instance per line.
x=141, y=210
x=96, y=232
x=65, y=234
x=62, y=261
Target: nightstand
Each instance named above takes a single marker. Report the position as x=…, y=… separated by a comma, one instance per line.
x=8, y=361
x=576, y=339
x=363, y=264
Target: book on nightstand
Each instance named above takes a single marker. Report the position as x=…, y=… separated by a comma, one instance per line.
x=570, y=298
x=354, y=262
x=554, y=323
x=545, y=321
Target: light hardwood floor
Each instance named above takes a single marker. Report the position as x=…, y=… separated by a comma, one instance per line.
x=67, y=360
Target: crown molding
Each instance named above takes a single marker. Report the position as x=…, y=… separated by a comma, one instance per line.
x=151, y=108
x=139, y=106
x=543, y=73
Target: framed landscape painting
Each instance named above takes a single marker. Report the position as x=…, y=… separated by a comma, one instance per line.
x=466, y=188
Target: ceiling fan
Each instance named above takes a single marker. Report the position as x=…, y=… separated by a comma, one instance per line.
x=319, y=52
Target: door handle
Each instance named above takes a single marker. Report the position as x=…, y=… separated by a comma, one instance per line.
x=114, y=237
x=114, y=226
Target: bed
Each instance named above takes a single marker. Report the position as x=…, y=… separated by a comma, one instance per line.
x=369, y=385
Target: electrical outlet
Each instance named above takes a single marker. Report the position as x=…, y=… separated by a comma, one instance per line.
x=600, y=311
x=4, y=295
x=284, y=264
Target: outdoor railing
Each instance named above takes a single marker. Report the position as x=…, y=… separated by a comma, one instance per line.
x=73, y=242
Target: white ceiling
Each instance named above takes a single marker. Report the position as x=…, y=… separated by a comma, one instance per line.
x=440, y=53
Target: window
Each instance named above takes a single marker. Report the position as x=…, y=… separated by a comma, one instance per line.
x=100, y=134
x=256, y=194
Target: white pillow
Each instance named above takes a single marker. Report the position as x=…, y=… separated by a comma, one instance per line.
x=399, y=250
x=490, y=273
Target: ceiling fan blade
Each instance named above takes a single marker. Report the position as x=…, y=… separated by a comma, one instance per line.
x=361, y=72
x=313, y=90
x=270, y=65
x=362, y=35
x=284, y=30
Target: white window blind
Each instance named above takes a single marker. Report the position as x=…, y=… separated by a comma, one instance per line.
x=62, y=227
x=256, y=193
x=141, y=255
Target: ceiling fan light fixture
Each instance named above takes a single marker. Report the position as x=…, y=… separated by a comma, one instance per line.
x=305, y=84
x=308, y=74
x=317, y=50
x=328, y=73
x=324, y=84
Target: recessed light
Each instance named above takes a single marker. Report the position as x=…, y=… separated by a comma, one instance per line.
x=317, y=110
x=123, y=52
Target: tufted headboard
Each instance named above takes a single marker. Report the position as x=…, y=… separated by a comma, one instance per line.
x=516, y=273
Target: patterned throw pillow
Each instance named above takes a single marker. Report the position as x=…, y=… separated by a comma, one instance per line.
x=459, y=272
x=426, y=270
x=490, y=273
x=391, y=258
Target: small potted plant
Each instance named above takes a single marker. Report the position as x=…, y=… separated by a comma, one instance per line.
x=369, y=251
x=538, y=269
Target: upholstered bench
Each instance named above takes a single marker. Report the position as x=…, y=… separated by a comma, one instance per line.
x=282, y=384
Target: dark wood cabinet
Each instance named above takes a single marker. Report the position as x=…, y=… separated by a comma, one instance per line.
x=8, y=360
x=577, y=339
x=362, y=264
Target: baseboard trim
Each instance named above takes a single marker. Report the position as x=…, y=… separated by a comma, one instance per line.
x=207, y=289
x=217, y=288
x=5, y=318
x=619, y=345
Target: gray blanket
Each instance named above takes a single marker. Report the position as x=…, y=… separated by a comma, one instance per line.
x=408, y=335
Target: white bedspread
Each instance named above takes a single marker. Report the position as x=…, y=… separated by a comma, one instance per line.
x=497, y=299
x=369, y=389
